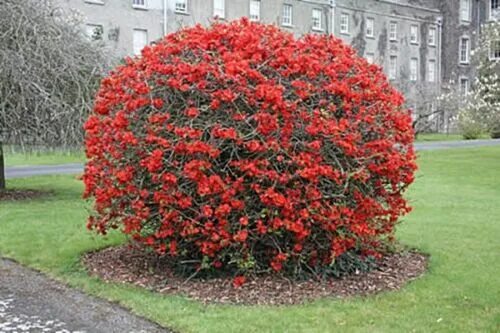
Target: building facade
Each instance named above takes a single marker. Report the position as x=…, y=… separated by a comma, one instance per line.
x=424, y=46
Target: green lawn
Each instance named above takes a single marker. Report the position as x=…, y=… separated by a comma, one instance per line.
x=428, y=137
x=15, y=157
x=456, y=219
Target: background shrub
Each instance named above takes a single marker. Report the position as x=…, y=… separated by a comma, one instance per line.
x=239, y=147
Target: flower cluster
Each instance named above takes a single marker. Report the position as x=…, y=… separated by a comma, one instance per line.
x=240, y=147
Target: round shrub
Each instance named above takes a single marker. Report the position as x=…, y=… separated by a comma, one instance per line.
x=239, y=147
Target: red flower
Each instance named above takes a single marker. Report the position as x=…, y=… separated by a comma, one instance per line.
x=239, y=281
x=238, y=142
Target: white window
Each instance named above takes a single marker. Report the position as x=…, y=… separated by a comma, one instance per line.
x=370, y=27
x=139, y=3
x=370, y=57
x=495, y=50
x=464, y=50
x=287, y=15
x=316, y=19
x=393, y=67
x=344, y=23
x=465, y=10
x=219, y=8
x=254, y=10
x=494, y=9
x=414, y=34
x=181, y=6
x=94, y=31
x=413, y=69
x=140, y=39
x=393, y=31
x=431, y=70
x=464, y=85
x=432, y=36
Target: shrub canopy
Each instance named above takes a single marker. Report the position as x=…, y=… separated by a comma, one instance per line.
x=238, y=146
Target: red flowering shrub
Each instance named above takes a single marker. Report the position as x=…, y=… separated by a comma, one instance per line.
x=240, y=147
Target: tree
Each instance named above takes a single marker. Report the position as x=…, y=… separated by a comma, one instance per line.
x=49, y=74
x=483, y=107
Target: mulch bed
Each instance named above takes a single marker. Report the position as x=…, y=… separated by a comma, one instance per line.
x=126, y=265
x=21, y=194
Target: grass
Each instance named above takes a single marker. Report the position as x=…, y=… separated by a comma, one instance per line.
x=17, y=157
x=430, y=137
x=456, y=219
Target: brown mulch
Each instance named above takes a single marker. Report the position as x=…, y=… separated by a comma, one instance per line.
x=123, y=264
x=21, y=194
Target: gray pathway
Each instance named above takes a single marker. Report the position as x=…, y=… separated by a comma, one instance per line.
x=38, y=170
x=30, y=302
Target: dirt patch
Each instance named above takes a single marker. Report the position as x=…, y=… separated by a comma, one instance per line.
x=126, y=265
x=21, y=194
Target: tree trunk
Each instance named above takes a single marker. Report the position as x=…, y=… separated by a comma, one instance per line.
x=2, y=169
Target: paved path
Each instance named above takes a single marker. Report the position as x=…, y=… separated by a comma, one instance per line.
x=30, y=302
x=37, y=170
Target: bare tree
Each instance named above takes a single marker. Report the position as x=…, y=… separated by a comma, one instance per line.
x=49, y=74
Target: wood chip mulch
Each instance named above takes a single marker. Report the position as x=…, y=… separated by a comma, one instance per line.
x=22, y=194
x=125, y=265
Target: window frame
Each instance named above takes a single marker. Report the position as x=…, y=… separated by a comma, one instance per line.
x=133, y=40
x=393, y=38
x=290, y=16
x=461, y=80
x=180, y=10
x=139, y=6
x=434, y=36
x=490, y=51
x=468, y=18
x=215, y=9
x=393, y=67
x=250, y=10
x=431, y=63
x=490, y=8
x=372, y=23
x=345, y=26
x=417, y=39
x=317, y=19
x=414, y=75
x=461, y=61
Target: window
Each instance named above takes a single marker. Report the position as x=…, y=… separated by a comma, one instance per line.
x=370, y=57
x=254, y=10
x=464, y=50
x=414, y=34
x=432, y=36
x=344, y=23
x=413, y=69
x=494, y=8
x=287, y=15
x=464, y=85
x=181, y=6
x=393, y=67
x=393, y=31
x=465, y=10
x=495, y=50
x=431, y=71
x=94, y=31
x=219, y=8
x=140, y=39
x=316, y=19
x=139, y=3
x=370, y=27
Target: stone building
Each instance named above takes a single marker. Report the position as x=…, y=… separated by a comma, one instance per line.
x=424, y=46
